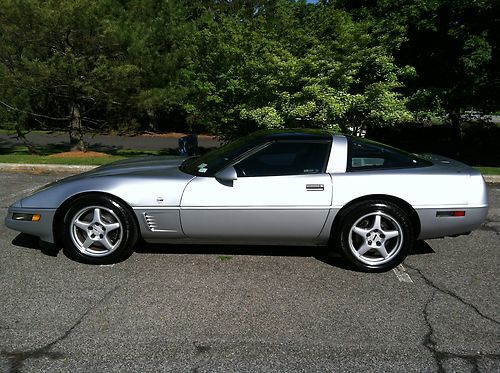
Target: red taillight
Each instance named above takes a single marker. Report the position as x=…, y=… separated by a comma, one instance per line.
x=450, y=213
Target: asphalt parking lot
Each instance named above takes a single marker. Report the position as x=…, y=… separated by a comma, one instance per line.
x=215, y=308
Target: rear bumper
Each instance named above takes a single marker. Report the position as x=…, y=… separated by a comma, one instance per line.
x=433, y=226
x=42, y=228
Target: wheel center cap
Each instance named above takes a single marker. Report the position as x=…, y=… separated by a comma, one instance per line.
x=97, y=230
x=375, y=239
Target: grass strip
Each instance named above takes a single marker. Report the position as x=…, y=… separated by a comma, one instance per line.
x=20, y=154
x=488, y=170
x=42, y=159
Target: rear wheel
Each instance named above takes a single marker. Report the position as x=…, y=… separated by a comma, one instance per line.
x=375, y=236
x=98, y=230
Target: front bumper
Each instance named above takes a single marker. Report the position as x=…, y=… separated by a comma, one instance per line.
x=42, y=228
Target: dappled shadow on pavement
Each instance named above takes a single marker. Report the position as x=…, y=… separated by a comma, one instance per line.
x=6, y=146
x=100, y=142
x=52, y=148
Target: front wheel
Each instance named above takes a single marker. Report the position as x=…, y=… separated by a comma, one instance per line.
x=98, y=230
x=375, y=236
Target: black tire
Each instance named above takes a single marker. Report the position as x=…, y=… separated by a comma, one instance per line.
x=374, y=236
x=98, y=229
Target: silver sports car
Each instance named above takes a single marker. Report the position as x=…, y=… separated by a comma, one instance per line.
x=295, y=187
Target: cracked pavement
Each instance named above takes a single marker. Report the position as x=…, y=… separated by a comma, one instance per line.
x=17, y=359
x=215, y=308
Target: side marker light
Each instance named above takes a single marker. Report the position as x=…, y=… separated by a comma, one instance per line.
x=450, y=213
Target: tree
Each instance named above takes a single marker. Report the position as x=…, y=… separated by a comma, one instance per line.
x=452, y=44
x=160, y=34
x=63, y=63
x=289, y=64
x=230, y=67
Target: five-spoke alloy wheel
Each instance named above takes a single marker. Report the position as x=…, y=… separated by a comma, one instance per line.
x=98, y=230
x=375, y=235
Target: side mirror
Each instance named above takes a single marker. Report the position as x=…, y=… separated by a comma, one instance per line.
x=227, y=175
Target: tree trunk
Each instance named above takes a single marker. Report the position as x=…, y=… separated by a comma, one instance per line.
x=22, y=136
x=76, y=130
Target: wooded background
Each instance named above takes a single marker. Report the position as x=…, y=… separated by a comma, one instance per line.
x=231, y=67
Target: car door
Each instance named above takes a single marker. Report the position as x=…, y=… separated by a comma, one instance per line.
x=281, y=195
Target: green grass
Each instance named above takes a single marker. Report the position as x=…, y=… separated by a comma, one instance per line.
x=4, y=131
x=488, y=170
x=20, y=154
x=40, y=159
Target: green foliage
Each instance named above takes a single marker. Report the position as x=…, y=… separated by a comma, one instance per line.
x=63, y=63
x=453, y=46
x=231, y=67
x=292, y=65
x=224, y=258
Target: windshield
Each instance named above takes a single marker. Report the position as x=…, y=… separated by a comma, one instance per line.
x=212, y=162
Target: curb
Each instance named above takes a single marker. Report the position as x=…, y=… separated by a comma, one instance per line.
x=44, y=168
x=492, y=179
x=71, y=169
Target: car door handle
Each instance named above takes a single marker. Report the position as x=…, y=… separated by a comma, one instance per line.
x=315, y=187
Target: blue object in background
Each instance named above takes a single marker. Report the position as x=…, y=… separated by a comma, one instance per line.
x=188, y=145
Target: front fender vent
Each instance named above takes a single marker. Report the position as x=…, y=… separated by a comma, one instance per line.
x=150, y=221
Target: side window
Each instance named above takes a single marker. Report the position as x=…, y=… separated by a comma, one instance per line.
x=286, y=158
x=366, y=155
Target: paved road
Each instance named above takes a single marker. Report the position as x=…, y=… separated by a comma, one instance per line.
x=60, y=142
x=214, y=308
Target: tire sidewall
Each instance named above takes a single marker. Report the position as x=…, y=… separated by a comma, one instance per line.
x=125, y=218
x=357, y=211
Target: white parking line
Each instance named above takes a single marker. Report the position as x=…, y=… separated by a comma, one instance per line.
x=401, y=274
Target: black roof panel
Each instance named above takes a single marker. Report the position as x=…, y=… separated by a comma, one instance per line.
x=295, y=134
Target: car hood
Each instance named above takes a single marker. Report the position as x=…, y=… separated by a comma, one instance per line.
x=146, y=165
x=138, y=181
x=152, y=166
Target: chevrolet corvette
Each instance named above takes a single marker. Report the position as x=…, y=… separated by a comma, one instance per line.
x=288, y=187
